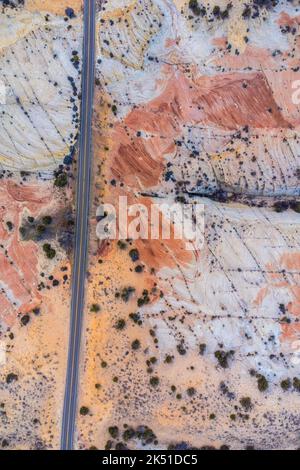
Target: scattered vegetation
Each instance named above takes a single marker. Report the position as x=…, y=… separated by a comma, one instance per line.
x=142, y=433
x=9, y=225
x=136, y=318
x=25, y=319
x=281, y=206
x=120, y=324
x=223, y=357
x=191, y=391
x=11, y=378
x=47, y=220
x=285, y=384
x=84, y=410
x=125, y=293
x=296, y=384
x=262, y=383
x=169, y=359
x=49, y=251
x=154, y=381
x=196, y=9
x=95, y=308
x=61, y=180
x=113, y=431
x=134, y=255
x=122, y=245
x=246, y=403
x=135, y=345
x=144, y=299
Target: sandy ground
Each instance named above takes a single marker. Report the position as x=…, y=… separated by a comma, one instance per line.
x=53, y=6
x=36, y=354
x=198, y=350
x=34, y=289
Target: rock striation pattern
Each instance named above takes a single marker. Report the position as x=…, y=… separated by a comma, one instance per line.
x=39, y=66
x=40, y=62
x=197, y=103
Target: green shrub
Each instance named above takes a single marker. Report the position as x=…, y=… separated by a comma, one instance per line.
x=84, y=410
x=113, y=431
x=154, y=381
x=246, y=403
x=95, y=308
x=285, y=384
x=61, y=180
x=47, y=220
x=169, y=359
x=120, y=324
x=49, y=251
x=134, y=255
x=222, y=357
x=191, y=391
x=135, y=345
x=296, y=384
x=25, y=320
x=262, y=383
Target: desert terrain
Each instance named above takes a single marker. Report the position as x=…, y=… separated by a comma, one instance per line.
x=184, y=345
x=196, y=349
x=40, y=49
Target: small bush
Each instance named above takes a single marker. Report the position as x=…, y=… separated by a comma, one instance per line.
x=262, y=383
x=122, y=245
x=61, y=180
x=144, y=300
x=11, y=378
x=126, y=293
x=169, y=359
x=135, y=345
x=22, y=231
x=191, y=391
x=181, y=349
x=49, y=251
x=128, y=434
x=222, y=357
x=154, y=381
x=120, y=324
x=296, y=384
x=95, y=308
x=113, y=431
x=285, y=384
x=136, y=318
x=134, y=255
x=84, y=410
x=47, y=220
x=246, y=403
x=25, y=320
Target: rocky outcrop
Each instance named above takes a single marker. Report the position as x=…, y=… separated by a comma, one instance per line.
x=201, y=345
x=40, y=113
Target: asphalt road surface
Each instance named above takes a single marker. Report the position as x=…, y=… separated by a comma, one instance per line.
x=82, y=233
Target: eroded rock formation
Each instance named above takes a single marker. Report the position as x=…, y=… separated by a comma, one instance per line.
x=197, y=103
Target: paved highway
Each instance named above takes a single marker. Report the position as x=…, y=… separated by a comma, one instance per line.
x=81, y=234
